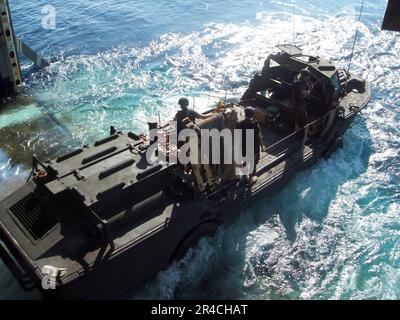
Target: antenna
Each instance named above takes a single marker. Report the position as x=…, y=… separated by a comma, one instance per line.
x=356, y=35
x=293, y=25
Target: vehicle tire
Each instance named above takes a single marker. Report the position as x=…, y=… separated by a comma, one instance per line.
x=207, y=229
x=335, y=145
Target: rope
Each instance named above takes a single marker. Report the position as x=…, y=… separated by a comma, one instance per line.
x=356, y=35
x=216, y=121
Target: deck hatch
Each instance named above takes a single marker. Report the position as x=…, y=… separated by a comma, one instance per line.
x=33, y=217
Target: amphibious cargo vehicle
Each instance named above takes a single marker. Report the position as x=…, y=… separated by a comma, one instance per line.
x=96, y=222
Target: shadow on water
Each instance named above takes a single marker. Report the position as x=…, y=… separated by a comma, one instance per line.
x=41, y=134
x=312, y=191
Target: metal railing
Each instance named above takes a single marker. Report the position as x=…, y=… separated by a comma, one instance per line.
x=280, y=157
x=305, y=130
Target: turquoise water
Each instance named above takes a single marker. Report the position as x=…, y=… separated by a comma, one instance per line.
x=332, y=233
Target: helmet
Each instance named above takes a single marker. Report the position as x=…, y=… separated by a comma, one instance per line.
x=305, y=73
x=249, y=112
x=183, y=102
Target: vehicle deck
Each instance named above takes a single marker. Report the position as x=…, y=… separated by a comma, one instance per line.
x=80, y=256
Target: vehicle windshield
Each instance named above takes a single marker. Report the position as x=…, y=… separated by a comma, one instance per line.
x=305, y=58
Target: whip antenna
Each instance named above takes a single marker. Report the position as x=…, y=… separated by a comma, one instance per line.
x=356, y=35
x=293, y=24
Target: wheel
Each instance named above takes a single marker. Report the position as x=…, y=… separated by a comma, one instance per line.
x=207, y=229
x=335, y=145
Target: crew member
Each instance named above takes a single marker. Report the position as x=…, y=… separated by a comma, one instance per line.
x=260, y=82
x=302, y=88
x=249, y=123
x=266, y=70
x=184, y=113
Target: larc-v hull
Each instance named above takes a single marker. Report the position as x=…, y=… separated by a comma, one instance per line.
x=95, y=223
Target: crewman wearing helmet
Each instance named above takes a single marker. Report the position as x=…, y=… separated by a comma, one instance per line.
x=184, y=113
x=302, y=88
x=249, y=123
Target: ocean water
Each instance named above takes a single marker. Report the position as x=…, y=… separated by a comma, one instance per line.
x=332, y=233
